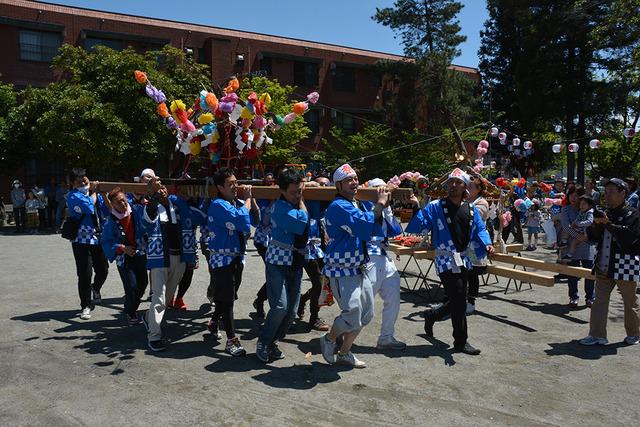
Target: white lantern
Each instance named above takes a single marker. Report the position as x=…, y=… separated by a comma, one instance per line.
x=493, y=165
x=527, y=145
x=573, y=147
x=629, y=132
x=515, y=141
x=556, y=148
x=595, y=143
x=494, y=132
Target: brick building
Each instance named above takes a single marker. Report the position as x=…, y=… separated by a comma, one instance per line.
x=32, y=31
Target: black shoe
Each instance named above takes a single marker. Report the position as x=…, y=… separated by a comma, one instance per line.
x=259, y=306
x=428, y=325
x=275, y=352
x=158, y=345
x=468, y=349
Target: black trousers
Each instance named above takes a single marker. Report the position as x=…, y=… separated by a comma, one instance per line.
x=455, y=286
x=134, y=281
x=185, y=282
x=89, y=259
x=313, y=267
x=227, y=281
x=20, y=218
x=514, y=227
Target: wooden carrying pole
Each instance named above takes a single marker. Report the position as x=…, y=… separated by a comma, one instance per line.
x=258, y=191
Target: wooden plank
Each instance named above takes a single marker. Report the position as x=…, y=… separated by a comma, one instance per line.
x=259, y=192
x=514, y=247
x=584, y=273
x=425, y=254
x=402, y=250
x=524, y=276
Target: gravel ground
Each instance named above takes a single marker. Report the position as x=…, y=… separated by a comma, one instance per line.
x=60, y=370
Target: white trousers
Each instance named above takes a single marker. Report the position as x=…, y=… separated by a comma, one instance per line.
x=386, y=283
x=164, y=282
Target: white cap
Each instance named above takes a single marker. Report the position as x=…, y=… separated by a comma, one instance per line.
x=375, y=182
x=148, y=172
x=458, y=173
x=343, y=172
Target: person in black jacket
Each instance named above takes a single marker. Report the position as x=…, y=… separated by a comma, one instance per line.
x=617, y=234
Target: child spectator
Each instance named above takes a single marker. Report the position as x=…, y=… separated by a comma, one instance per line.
x=580, y=224
x=533, y=225
x=32, y=205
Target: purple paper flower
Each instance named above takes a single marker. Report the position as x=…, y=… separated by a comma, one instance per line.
x=170, y=123
x=155, y=94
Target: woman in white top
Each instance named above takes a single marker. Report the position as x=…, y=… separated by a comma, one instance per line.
x=476, y=188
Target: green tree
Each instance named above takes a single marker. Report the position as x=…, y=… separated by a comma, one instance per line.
x=430, y=35
x=7, y=104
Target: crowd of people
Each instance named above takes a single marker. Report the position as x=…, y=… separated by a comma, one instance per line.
x=342, y=246
x=38, y=209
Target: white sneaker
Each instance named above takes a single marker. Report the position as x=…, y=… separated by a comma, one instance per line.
x=589, y=340
x=470, y=308
x=328, y=349
x=391, y=344
x=86, y=313
x=350, y=360
x=632, y=340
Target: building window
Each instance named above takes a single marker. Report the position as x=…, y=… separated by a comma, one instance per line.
x=312, y=117
x=266, y=65
x=39, y=46
x=90, y=43
x=305, y=74
x=202, y=56
x=346, y=123
x=344, y=79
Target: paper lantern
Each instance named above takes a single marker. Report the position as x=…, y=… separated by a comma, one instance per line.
x=573, y=148
x=527, y=145
x=493, y=164
x=556, y=148
x=595, y=143
x=515, y=141
x=629, y=132
x=481, y=151
x=483, y=144
x=494, y=132
x=502, y=137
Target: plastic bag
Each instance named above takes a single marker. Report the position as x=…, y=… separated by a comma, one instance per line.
x=549, y=231
x=326, y=296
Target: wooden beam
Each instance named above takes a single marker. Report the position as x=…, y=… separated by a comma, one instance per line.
x=514, y=247
x=584, y=273
x=259, y=192
x=524, y=276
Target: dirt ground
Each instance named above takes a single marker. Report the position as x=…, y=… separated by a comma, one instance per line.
x=59, y=370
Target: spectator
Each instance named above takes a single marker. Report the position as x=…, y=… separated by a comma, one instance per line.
x=533, y=225
x=633, y=199
x=584, y=252
x=32, y=205
x=18, y=199
x=617, y=234
x=52, y=205
x=590, y=190
x=42, y=206
x=61, y=204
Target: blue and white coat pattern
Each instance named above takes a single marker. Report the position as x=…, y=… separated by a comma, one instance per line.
x=432, y=219
x=383, y=230
x=112, y=238
x=225, y=223
x=286, y=223
x=187, y=217
x=80, y=204
x=348, y=228
x=263, y=229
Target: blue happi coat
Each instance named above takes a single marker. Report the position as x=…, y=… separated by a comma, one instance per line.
x=80, y=204
x=263, y=228
x=432, y=219
x=227, y=224
x=287, y=222
x=349, y=228
x=112, y=236
x=382, y=230
x=187, y=217
x=316, y=230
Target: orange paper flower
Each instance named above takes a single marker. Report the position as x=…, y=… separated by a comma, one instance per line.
x=299, y=108
x=233, y=85
x=162, y=110
x=140, y=77
x=212, y=101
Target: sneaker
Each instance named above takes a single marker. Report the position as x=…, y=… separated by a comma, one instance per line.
x=97, y=298
x=158, y=345
x=350, y=360
x=179, y=304
x=320, y=325
x=144, y=321
x=133, y=320
x=328, y=349
x=468, y=349
x=573, y=303
x=589, y=302
x=86, y=313
x=470, y=308
x=590, y=340
x=275, y=352
x=632, y=340
x=259, y=306
x=262, y=351
x=391, y=344
x=234, y=347
x=212, y=326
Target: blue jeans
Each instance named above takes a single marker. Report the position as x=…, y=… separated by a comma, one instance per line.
x=283, y=293
x=134, y=281
x=588, y=284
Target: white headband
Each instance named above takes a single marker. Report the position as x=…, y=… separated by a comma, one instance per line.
x=343, y=172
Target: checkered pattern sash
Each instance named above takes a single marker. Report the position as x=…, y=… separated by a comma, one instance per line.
x=627, y=267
